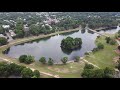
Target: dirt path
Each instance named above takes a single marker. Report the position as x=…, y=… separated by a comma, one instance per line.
x=91, y=63
x=55, y=76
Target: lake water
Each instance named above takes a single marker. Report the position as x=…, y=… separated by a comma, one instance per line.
x=50, y=47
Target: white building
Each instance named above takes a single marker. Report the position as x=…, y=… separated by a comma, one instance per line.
x=1, y=35
x=6, y=26
x=12, y=33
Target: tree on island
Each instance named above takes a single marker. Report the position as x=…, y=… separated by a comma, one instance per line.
x=70, y=44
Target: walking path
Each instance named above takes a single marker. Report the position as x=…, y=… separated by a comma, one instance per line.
x=90, y=63
x=56, y=76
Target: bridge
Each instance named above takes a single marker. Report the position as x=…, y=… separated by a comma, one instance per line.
x=97, y=32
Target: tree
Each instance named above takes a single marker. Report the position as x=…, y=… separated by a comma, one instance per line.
x=22, y=58
x=100, y=46
x=50, y=61
x=29, y=59
x=107, y=39
x=87, y=73
x=77, y=58
x=42, y=60
x=98, y=73
x=2, y=31
x=19, y=29
x=34, y=29
x=69, y=43
x=64, y=60
x=26, y=73
x=3, y=41
x=36, y=73
x=88, y=66
x=109, y=72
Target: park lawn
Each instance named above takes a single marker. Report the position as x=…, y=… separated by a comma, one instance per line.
x=103, y=58
x=64, y=71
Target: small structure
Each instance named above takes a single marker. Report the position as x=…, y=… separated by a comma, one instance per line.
x=1, y=35
x=6, y=26
x=12, y=34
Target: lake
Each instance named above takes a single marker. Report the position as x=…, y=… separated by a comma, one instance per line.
x=50, y=47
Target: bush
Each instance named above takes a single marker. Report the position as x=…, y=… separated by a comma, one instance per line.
x=26, y=59
x=42, y=60
x=50, y=61
x=86, y=53
x=27, y=73
x=22, y=58
x=112, y=42
x=88, y=66
x=3, y=41
x=95, y=49
x=64, y=60
x=36, y=73
x=77, y=58
x=107, y=39
x=100, y=46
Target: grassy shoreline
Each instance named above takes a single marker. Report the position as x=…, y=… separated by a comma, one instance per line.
x=70, y=70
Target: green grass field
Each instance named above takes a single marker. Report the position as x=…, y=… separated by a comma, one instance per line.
x=103, y=58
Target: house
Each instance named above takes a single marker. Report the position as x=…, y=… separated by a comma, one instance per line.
x=12, y=33
x=6, y=26
x=1, y=35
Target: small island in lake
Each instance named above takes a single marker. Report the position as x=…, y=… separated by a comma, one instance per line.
x=71, y=43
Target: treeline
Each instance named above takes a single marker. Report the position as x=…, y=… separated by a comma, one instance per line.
x=12, y=69
x=90, y=72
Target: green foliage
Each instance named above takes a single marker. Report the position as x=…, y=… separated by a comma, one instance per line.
x=70, y=43
x=64, y=60
x=95, y=49
x=77, y=58
x=3, y=41
x=50, y=61
x=22, y=58
x=86, y=53
x=19, y=29
x=88, y=66
x=89, y=72
x=112, y=42
x=100, y=46
x=27, y=59
x=42, y=60
x=26, y=73
x=107, y=39
x=109, y=72
x=2, y=31
x=36, y=73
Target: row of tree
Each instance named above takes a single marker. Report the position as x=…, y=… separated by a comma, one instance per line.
x=90, y=72
x=7, y=70
x=63, y=60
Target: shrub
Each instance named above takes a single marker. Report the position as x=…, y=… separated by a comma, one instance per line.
x=42, y=60
x=77, y=58
x=112, y=42
x=64, y=60
x=50, y=61
x=100, y=46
